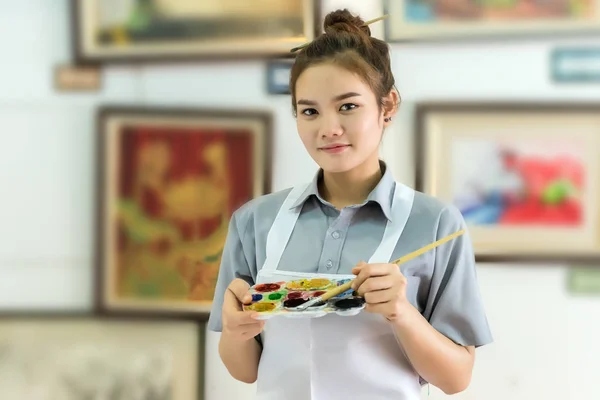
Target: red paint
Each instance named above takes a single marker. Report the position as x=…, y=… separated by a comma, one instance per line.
x=267, y=287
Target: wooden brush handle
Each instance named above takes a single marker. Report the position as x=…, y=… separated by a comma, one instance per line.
x=338, y=290
x=425, y=249
x=347, y=286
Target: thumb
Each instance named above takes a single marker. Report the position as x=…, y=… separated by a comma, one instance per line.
x=246, y=298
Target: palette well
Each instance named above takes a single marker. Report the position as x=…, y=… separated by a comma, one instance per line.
x=280, y=298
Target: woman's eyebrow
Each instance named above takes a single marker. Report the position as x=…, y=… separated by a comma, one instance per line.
x=336, y=98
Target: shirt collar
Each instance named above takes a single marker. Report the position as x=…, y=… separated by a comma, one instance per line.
x=382, y=194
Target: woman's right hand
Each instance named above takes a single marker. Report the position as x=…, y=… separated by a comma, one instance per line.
x=237, y=323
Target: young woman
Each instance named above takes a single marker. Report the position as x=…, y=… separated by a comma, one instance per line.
x=422, y=321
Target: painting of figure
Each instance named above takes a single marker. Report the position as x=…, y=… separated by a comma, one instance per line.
x=171, y=185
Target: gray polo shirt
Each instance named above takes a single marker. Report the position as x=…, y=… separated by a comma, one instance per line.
x=442, y=283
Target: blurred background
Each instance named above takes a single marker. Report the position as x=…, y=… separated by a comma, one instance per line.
x=131, y=129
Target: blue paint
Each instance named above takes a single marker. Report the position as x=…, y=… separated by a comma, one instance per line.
x=257, y=297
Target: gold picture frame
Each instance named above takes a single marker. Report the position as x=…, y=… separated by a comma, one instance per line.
x=169, y=180
x=526, y=177
x=126, y=31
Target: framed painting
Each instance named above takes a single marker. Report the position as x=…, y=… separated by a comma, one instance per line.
x=525, y=177
x=433, y=20
x=169, y=180
x=118, y=31
x=47, y=357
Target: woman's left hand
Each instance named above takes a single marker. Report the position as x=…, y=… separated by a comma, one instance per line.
x=383, y=287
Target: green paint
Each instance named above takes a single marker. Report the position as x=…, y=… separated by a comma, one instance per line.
x=584, y=280
x=275, y=296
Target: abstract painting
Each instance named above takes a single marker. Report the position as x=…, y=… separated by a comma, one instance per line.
x=80, y=358
x=436, y=19
x=107, y=31
x=170, y=180
x=525, y=178
x=518, y=182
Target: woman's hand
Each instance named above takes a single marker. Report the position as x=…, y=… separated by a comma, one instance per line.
x=237, y=323
x=384, y=289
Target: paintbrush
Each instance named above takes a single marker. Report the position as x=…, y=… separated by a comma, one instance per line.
x=348, y=285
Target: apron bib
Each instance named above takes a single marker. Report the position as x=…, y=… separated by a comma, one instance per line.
x=333, y=357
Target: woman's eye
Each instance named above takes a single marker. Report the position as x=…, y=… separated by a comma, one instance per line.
x=309, y=111
x=348, y=106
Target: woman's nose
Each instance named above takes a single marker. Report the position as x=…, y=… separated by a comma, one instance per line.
x=331, y=127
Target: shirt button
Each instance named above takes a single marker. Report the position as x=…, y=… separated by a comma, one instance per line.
x=335, y=235
x=329, y=264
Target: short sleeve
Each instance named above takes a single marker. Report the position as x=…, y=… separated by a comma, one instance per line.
x=457, y=309
x=233, y=265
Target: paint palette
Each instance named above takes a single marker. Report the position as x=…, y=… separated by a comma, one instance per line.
x=280, y=298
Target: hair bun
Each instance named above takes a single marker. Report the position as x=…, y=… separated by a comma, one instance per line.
x=345, y=21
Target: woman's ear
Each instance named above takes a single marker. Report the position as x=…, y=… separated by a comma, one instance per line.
x=391, y=102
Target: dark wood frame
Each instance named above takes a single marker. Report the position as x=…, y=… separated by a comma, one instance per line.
x=421, y=158
x=450, y=39
x=104, y=113
x=84, y=316
x=80, y=58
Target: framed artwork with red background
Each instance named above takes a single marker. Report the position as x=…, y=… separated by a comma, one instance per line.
x=169, y=180
x=525, y=176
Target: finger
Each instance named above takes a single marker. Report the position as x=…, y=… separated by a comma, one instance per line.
x=382, y=269
x=370, y=270
x=380, y=296
x=374, y=284
x=246, y=299
x=239, y=288
x=356, y=270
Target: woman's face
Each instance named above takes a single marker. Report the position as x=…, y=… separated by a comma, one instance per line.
x=338, y=117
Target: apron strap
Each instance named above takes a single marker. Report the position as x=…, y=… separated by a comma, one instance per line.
x=282, y=228
x=401, y=208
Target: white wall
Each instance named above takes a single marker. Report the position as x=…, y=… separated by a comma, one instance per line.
x=546, y=342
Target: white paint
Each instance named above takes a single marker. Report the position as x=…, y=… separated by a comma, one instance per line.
x=546, y=342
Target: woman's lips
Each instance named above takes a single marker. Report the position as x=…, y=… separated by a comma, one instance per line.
x=335, y=148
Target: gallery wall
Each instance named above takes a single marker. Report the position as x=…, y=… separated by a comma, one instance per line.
x=545, y=338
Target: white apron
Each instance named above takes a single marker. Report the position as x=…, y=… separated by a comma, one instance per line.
x=333, y=357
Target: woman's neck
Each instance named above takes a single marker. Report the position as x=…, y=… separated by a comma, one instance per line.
x=351, y=187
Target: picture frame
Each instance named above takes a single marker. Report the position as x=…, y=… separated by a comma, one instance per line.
x=278, y=77
x=575, y=65
x=525, y=177
x=159, y=31
x=444, y=21
x=75, y=355
x=169, y=180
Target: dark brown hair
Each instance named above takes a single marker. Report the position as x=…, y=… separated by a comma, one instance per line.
x=347, y=42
